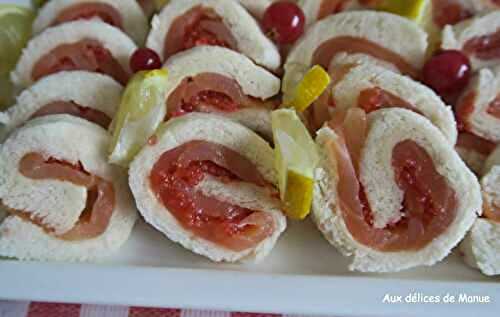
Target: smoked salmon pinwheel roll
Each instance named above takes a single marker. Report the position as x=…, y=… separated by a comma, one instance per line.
x=371, y=87
x=91, y=96
x=391, y=191
x=64, y=201
x=183, y=24
x=481, y=246
x=80, y=45
x=478, y=116
x=126, y=15
x=208, y=183
x=229, y=85
x=477, y=38
x=372, y=37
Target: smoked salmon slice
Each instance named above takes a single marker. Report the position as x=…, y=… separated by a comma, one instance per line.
x=101, y=198
x=72, y=108
x=210, y=92
x=429, y=204
x=87, y=55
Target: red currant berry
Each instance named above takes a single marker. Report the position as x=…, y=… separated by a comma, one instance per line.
x=144, y=59
x=447, y=72
x=284, y=22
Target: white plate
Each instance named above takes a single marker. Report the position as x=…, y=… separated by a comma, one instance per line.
x=302, y=275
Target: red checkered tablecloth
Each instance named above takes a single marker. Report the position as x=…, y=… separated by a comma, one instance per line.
x=36, y=309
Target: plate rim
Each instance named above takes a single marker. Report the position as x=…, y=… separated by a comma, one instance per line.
x=246, y=291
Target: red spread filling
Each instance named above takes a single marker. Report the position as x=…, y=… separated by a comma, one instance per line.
x=210, y=92
x=74, y=109
x=87, y=55
x=89, y=10
x=449, y=12
x=174, y=179
x=198, y=26
x=100, y=195
x=372, y=99
x=486, y=47
x=325, y=53
x=429, y=204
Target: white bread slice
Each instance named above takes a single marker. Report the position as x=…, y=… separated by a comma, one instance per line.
x=215, y=129
x=117, y=42
x=59, y=204
x=135, y=22
x=388, y=127
x=251, y=41
x=365, y=76
x=486, y=85
x=390, y=31
x=480, y=246
x=255, y=81
x=490, y=184
x=455, y=37
x=86, y=89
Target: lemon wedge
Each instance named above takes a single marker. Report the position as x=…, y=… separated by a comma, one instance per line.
x=314, y=83
x=141, y=111
x=412, y=9
x=296, y=157
x=15, y=31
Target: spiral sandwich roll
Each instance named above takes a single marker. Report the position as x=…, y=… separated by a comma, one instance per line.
x=230, y=85
x=208, y=183
x=126, y=15
x=391, y=192
x=96, y=99
x=183, y=24
x=64, y=201
x=79, y=45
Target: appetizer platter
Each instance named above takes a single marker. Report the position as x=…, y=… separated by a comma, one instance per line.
x=279, y=156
